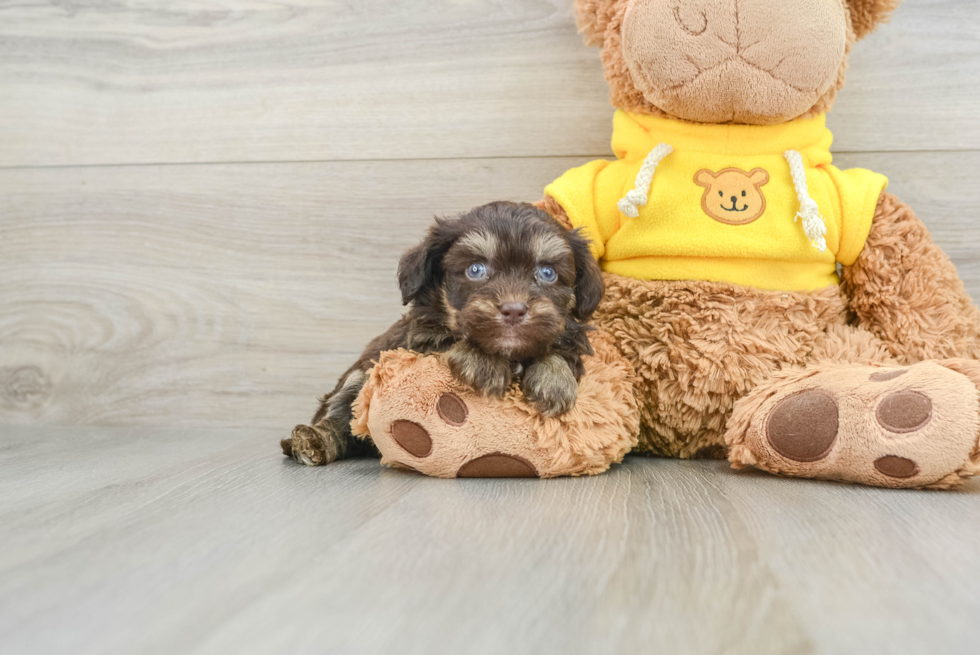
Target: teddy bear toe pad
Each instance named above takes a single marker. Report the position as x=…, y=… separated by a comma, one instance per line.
x=412, y=437
x=497, y=465
x=904, y=411
x=903, y=427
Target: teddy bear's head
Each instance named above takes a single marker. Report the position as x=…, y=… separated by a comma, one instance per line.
x=758, y=62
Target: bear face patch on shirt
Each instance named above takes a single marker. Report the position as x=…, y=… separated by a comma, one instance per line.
x=731, y=195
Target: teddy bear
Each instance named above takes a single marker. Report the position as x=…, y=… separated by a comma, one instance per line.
x=761, y=304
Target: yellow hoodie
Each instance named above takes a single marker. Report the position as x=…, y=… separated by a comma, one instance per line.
x=723, y=203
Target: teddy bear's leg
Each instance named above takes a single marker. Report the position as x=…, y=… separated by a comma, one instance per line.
x=422, y=418
x=882, y=425
x=906, y=291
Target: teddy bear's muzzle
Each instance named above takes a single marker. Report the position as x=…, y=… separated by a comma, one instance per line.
x=746, y=61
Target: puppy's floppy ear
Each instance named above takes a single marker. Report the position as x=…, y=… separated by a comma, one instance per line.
x=413, y=269
x=421, y=267
x=592, y=17
x=589, y=286
x=868, y=14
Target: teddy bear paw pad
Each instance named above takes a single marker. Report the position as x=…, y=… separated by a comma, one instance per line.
x=412, y=437
x=452, y=409
x=903, y=427
x=497, y=465
x=896, y=467
x=904, y=411
x=804, y=426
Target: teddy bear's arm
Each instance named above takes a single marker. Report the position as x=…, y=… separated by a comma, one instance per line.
x=905, y=289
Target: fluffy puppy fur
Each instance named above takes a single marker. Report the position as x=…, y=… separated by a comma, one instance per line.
x=505, y=291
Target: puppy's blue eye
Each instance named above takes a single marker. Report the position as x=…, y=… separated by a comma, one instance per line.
x=547, y=274
x=476, y=271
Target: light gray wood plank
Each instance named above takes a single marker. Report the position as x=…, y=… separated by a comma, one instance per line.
x=246, y=552
x=233, y=295
x=142, y=525
x=881, y=555
x=133, y=82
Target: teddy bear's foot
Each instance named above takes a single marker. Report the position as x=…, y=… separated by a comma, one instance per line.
x=422, y=418
x=913, y=426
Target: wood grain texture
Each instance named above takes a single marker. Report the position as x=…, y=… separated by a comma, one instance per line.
x=205, y=541
x=215, y=81
x=233, y=295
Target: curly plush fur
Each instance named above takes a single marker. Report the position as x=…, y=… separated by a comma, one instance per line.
x=905, y=290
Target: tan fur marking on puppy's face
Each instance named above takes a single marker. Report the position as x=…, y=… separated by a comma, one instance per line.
x=544, y=308
x=549, y=247
x=451, y=322
x=481, y=244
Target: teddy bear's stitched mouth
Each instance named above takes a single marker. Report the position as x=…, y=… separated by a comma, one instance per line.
x=705, y=71
x=665, y=96
x=734, y=208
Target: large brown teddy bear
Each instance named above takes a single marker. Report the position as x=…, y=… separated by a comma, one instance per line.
x=760, y=304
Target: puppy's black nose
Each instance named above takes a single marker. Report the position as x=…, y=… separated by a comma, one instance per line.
x=513, y=312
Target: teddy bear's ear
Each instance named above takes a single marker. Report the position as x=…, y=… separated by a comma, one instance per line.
x=867, y=14
x=704, y=178
x=592, y=17
x=759, y=176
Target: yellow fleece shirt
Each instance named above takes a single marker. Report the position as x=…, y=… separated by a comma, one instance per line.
x=722, y=206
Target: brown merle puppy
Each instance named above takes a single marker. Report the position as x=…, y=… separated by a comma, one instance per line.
x=505, y=291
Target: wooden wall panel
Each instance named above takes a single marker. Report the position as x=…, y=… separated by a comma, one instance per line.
x=234, y=294
x=140, y=82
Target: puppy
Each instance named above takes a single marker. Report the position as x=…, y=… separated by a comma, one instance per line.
x=505, y=291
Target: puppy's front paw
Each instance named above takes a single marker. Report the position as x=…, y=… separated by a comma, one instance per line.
x=307, y=446
x=550, y=385
x=489, y=375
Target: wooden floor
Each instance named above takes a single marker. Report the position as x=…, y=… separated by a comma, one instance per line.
x=202, y=541
x=201, y=208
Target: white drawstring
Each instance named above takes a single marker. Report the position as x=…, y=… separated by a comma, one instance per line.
x=809, y=213
x=632, y=201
